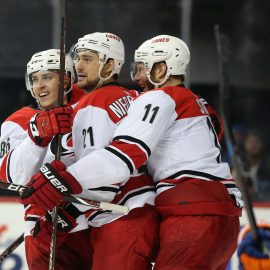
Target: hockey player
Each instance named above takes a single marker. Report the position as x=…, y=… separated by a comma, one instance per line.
x=124, y=242
x=252, y=256
x=169, y=127
x=28, y=137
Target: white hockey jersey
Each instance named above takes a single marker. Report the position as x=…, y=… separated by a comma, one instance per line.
x=171, y=129
x=96, y=118
x=21, y=158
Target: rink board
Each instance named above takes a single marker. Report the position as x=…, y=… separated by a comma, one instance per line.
x=11, y=227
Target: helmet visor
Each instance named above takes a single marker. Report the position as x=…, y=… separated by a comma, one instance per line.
x=136, y=68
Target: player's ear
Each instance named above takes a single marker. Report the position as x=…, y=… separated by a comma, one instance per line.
x=108, y=68
x=159, y=71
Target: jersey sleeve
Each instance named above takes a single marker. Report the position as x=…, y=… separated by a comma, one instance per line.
x=20, y=157
x=137, y=135
x=93, y=130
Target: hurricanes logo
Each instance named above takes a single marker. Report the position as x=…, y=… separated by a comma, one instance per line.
x=66, y=145
x=160, y=40
x=113, y=37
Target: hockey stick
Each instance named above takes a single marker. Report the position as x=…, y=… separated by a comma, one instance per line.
x=59, y=137
x=68, y=198
x=222, y=44
x=11, y=248
x=92, y=203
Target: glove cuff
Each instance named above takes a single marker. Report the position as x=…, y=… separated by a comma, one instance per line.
x=34, y=133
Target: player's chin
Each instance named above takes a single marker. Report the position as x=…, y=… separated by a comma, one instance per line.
x=81, y=83
x=46, y=104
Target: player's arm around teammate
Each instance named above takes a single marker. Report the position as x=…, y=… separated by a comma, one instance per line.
x=128, y=242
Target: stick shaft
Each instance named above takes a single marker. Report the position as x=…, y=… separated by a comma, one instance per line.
x=68, y=198
x=11, y=248
x=61, y=91
x=223, y=85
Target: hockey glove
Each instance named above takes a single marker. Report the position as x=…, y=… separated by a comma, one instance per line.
x=47, y=188
x=66, y=221
x=249, y=255
x=46, y=124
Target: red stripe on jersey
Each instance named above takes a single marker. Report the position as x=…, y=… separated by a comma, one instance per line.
x=133, y=151
x=22, y=116
x=133, y=184
x=116, y=103
x=3, y=168
x=187, y=103
x=142, y=184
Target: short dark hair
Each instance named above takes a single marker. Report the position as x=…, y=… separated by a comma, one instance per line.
x=179, y=77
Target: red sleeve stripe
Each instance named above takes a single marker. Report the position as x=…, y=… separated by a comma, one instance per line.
x=8, y=167
x=139, y=143
x=135, y=193
x=5, y=174
x=132, y=151
x=126, y=159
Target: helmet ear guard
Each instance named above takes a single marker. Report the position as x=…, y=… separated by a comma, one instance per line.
x=48, y=60
x=173, y=51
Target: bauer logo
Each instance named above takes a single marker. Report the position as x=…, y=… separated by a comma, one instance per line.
x=160, y=40
x=112, y=37
x=52, y=179
x=17, y=188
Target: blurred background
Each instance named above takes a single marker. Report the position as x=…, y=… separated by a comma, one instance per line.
x=30, y=26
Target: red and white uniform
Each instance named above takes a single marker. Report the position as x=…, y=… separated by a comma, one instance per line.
x=96, y=118
x=116, y=239
x=171, y=130
x=21, y=158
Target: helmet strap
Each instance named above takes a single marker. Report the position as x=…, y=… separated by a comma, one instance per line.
x=102, y=79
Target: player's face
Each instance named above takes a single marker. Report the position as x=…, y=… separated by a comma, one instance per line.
x=139, y=76
x=87, y=66
x=45, y=88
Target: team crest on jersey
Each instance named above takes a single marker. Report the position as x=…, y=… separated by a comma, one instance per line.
x=66, y=145
x=120, y=106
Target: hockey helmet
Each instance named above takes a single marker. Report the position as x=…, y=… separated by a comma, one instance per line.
x=107, y=46
x=48, y=60
x=172, y=50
